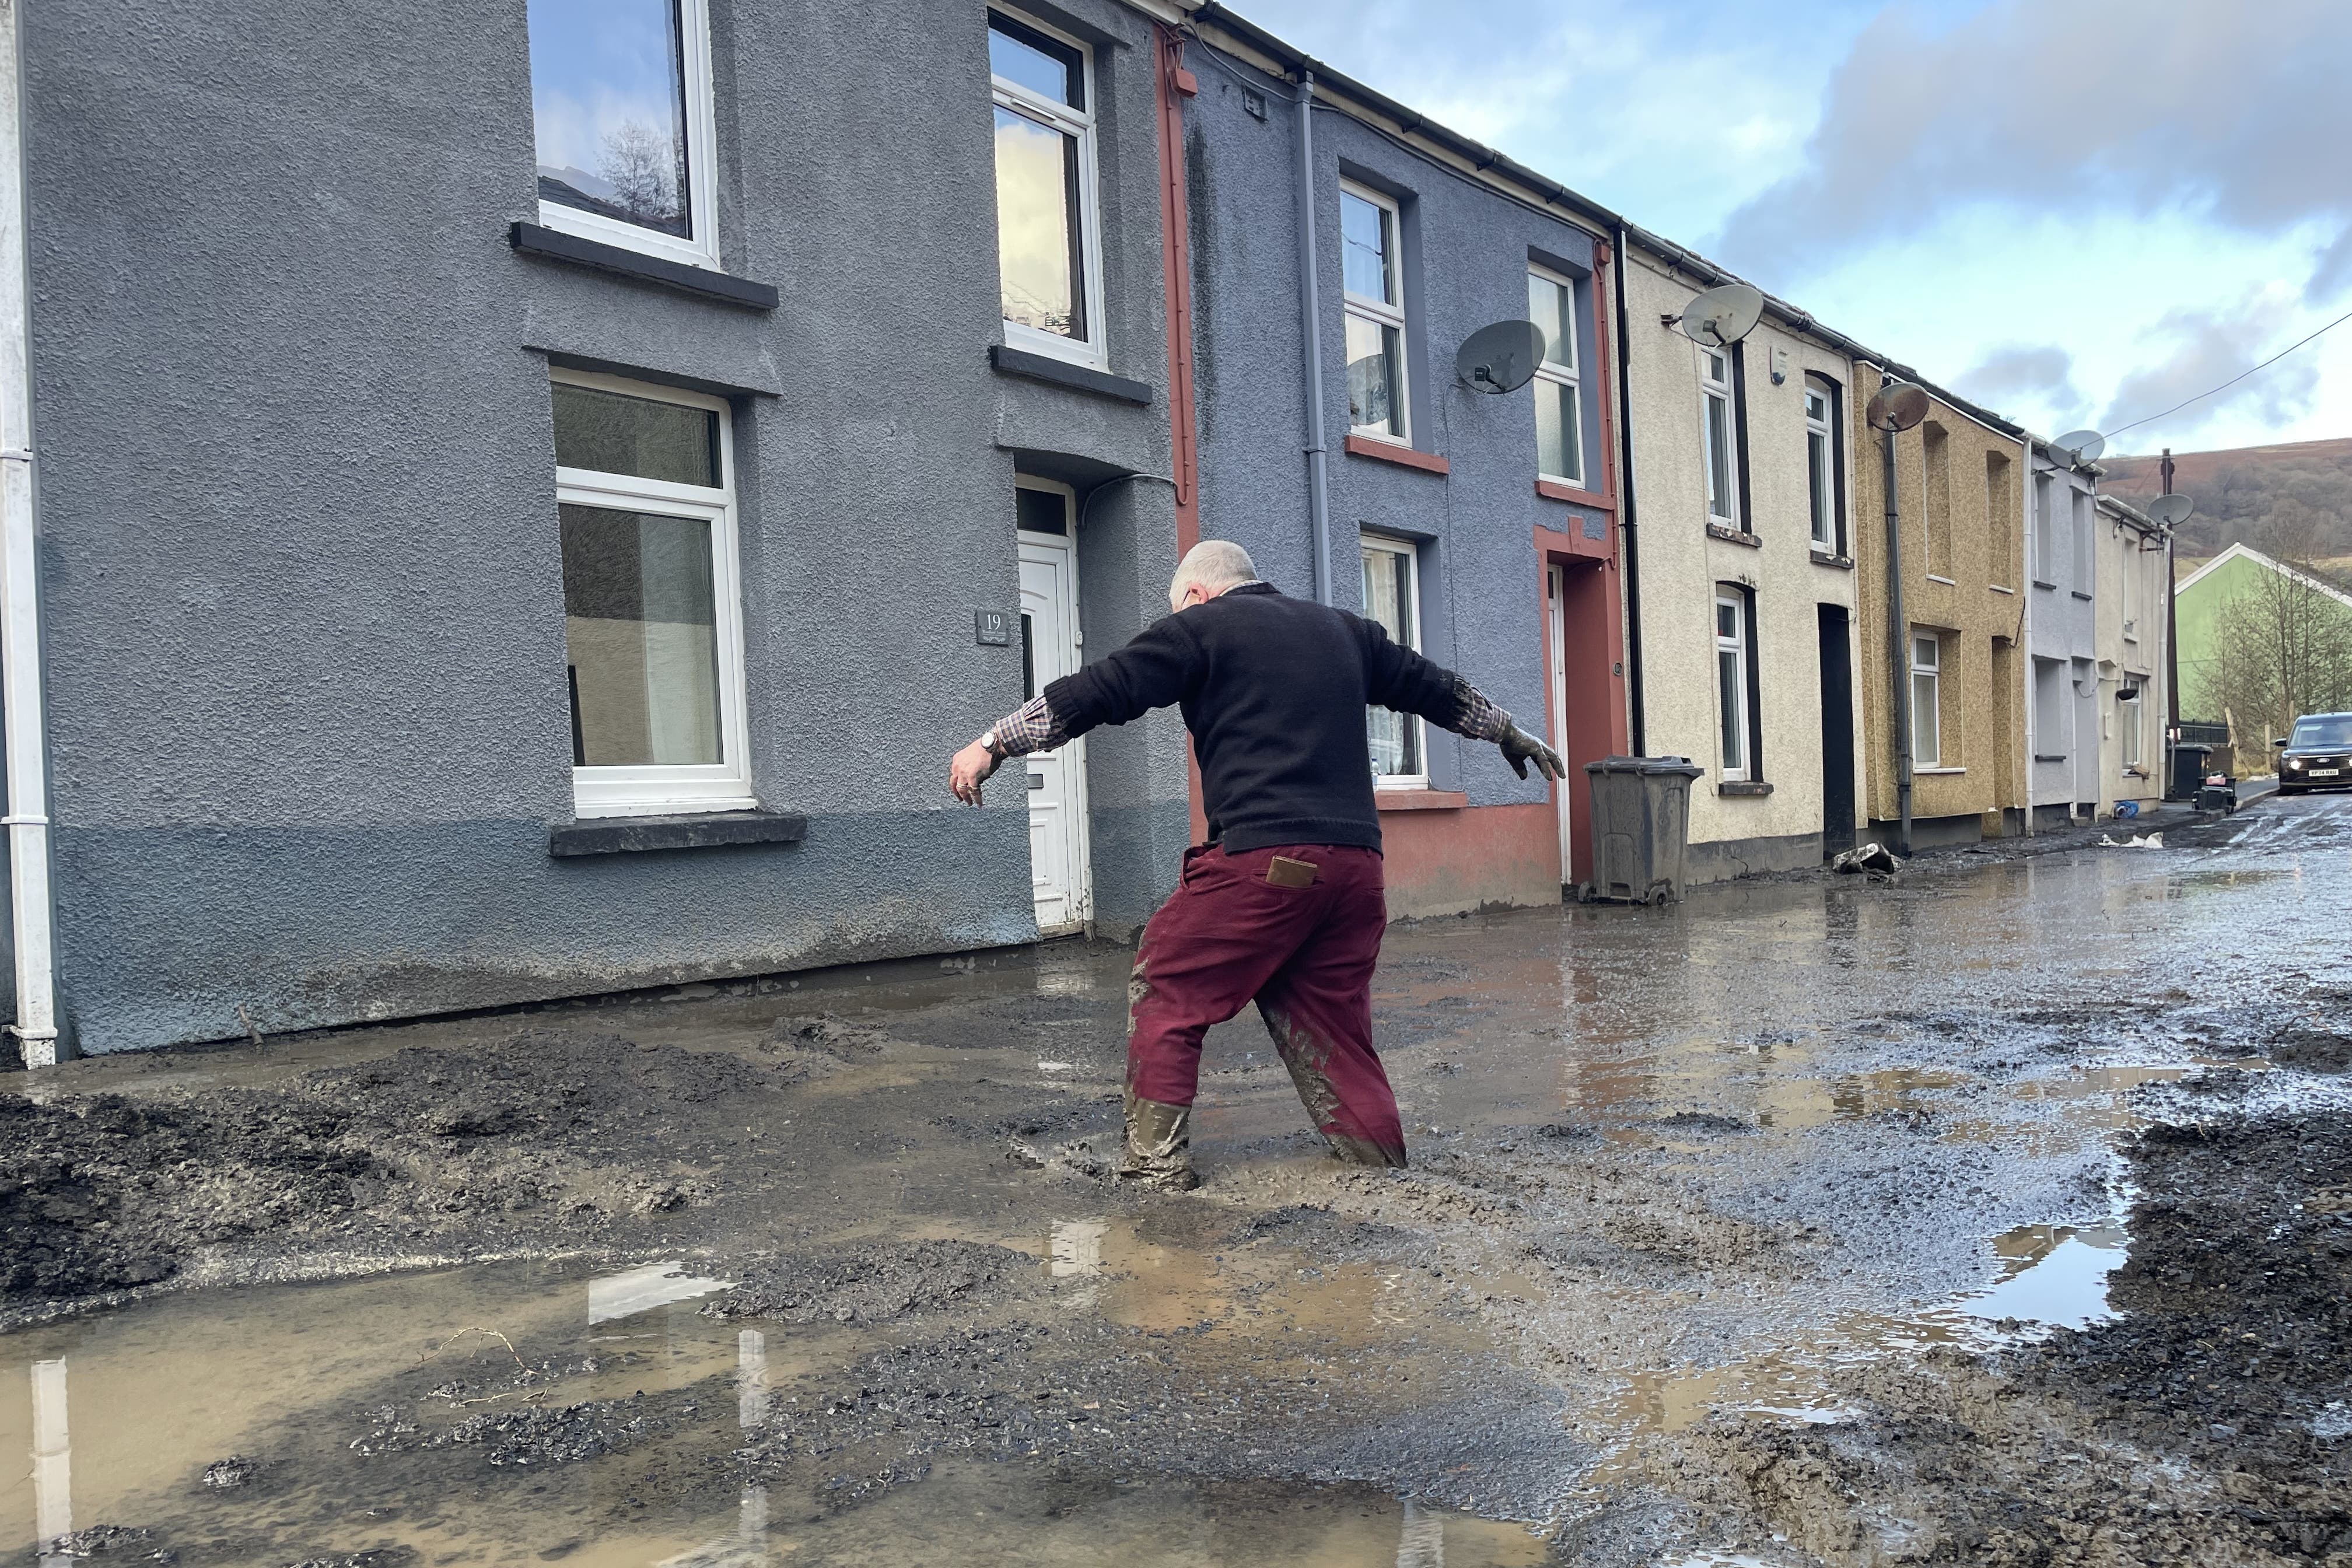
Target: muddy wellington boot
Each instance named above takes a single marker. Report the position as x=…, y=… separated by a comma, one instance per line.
x=1159, y=1146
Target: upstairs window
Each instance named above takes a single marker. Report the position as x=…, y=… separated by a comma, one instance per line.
x=2080, y=503
x=1048, y=245
x=1393, y=601
x=1821, y=464
x=1717, y=431
x=653, y=639
x=1559, y=409
x=620, y=94
x=1373, y=282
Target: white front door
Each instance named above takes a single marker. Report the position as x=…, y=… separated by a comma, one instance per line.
x=1556, y=601
x=1057, y=780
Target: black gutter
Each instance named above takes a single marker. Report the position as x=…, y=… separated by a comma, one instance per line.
x=1631, y=550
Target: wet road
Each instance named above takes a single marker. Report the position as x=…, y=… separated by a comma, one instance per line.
x=1687, y=1181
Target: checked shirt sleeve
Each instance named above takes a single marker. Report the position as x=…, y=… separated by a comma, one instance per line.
x=1031, y=727
x=1477, y=718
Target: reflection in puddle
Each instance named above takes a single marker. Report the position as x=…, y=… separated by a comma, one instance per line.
x=2054, y=1275
x=624, y=1294
x=164, y=1389
x=2049, y=1277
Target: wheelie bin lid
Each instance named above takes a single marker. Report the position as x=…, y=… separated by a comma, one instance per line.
x=1646, y=765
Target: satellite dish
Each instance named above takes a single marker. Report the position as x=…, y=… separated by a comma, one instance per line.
x=1722, y=316
x=1500, y=358
x=2171, y=510
x=1898, y=405
x=2084, y=445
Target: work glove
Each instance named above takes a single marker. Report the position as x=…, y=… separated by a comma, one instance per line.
x=1519, y=748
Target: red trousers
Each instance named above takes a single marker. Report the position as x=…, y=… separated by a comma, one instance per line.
x=1229, y=935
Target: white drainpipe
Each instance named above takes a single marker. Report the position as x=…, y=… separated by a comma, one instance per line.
x=2025, y=628
x=27, y=817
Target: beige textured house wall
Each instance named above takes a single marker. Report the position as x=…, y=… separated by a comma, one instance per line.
x=1977, y=611
x=2130, y=579
x=1681, y=564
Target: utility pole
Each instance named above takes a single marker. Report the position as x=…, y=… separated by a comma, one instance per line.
x=2171, y=644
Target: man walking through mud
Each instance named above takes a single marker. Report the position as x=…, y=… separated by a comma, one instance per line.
x=1284, y=905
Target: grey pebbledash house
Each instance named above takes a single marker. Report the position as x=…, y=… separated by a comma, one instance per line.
x=528, y=495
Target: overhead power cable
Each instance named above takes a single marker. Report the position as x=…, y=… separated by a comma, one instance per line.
x=2233, y=381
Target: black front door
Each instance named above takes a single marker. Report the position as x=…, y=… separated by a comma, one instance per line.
x=1837, y=731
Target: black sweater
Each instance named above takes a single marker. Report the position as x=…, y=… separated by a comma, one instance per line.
x=1274, y=689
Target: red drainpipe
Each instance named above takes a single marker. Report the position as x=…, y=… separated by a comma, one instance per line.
x=1174, y=84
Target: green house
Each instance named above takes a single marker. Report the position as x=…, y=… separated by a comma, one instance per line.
x=2200, y=605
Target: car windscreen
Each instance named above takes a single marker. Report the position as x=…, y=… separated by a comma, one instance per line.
x=2334, y=730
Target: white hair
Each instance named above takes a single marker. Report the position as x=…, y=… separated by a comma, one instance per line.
x=1212, y=565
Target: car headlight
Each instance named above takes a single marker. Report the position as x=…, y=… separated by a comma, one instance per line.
x=2296, y=764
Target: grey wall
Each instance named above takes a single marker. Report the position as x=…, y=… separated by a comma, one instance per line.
x=304, y=600
x=1467, y=253
x=2064, y=628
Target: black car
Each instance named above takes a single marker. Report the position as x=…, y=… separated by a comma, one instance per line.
x=2318, y=755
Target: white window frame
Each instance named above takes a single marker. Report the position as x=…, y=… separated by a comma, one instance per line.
x=1934, y=671
x=1411, y=551
x=1569, y=374
x=1387, y=313
x=2131, y=735
x=1741, y=647
x=1821, y=466
x=656, y=789
x=701, y=139
x=1713, y=389
x=1093, y=349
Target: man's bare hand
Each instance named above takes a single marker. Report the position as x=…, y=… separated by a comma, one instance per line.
x=969, y=769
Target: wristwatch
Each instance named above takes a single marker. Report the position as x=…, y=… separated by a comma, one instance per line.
x=988, y=743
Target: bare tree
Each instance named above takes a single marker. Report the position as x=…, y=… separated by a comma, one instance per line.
x=641, y=165
x=2281, y=646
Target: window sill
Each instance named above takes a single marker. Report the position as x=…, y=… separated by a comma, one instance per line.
x=1396, y=452
x=2080, y=594
x=704, y=830
x=1997, y=588
x=2049, y=756
x=1946, y=581
x=1008, y=361
x=1743, y=787
x=1824, y=558
x=1555, y=489
x=1733, y=535
x=1941, y=773
x=705, y=282
x=1419, y=799
x=2040, y=584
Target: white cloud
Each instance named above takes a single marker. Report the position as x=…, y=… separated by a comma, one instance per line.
x=2111, y=180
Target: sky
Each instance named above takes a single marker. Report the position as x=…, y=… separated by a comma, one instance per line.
x=2077, y=212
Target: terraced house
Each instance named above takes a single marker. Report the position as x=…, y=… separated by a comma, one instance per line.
x=1742, y=473
x=657, y=433
x=1943, y=620
x=2064, y=719
x=1343, y=250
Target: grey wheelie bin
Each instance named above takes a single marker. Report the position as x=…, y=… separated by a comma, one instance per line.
x=1640, y=823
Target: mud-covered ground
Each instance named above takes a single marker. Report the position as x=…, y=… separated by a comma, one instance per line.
x=1999, y=1212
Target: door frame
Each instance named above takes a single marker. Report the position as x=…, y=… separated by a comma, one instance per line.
x=1078, y=842
x=1556, y=669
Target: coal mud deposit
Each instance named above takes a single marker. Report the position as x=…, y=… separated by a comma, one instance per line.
x=1999, y=1212
x=2210, y=1421
x=534, y=1143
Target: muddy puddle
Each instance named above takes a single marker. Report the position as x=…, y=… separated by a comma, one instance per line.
x=828, y=1273
x=264, y=1425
